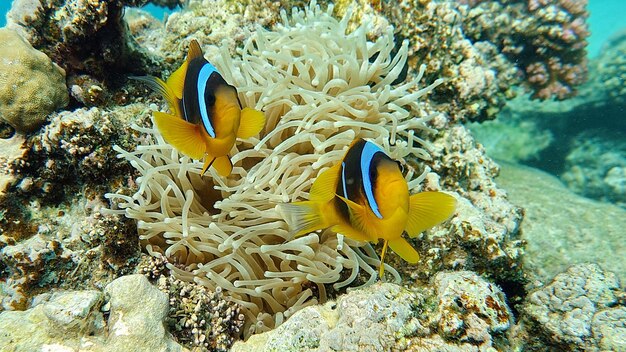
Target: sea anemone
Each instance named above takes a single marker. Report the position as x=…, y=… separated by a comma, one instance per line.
x=320, y=87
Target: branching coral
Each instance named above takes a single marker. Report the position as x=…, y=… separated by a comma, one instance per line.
x=545, y=38
x=320, y=88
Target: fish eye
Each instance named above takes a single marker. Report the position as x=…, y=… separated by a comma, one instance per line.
x=209, y=99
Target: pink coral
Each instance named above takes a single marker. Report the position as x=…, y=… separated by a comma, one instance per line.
x=545, y=38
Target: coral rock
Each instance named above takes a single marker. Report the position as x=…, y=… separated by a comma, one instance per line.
x=31, y=86
x=576, y=311
x=363, y=320
x=73, y=320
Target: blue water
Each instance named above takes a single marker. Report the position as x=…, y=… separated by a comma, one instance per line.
x=607, y=17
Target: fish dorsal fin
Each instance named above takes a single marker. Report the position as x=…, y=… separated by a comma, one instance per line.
x=323, y=188
x=176, y=81
x=401, y=247
x=252, y=122
x=194, y=50
x=428, y=209
x=157, y=85
x=182, y=135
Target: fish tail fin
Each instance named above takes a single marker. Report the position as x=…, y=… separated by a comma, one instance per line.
x=304, y=217
x=159, y=86
x=427, y=209
x=252, y=122
x=182, y=135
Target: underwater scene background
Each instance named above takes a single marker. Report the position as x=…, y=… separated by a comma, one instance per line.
x=113, y=238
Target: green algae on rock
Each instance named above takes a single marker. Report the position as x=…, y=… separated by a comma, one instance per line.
x=31, y=86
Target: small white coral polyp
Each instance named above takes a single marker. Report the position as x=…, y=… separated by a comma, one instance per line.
x=320, y=88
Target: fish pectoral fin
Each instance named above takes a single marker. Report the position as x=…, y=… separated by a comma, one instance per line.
x=251, y=123
x=303, y=217
x=182, y=135
x=404, y=250
x=223, y=165
x=157, y=85
x=349, y=232
x=428, y=209
x=325, y=184
x=176, y=81
x=359, y=217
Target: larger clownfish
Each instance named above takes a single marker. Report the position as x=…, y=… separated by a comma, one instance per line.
x=366, y=198
x=207, y=116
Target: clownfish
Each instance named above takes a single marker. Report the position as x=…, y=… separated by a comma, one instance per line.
x=207, y=116
x=366, y=198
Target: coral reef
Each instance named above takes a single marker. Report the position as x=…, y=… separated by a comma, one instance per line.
x=53, y=234
x=73, y=152
x=608, y=71
x=87, y=38
x=595, y=166
x=70, y=246
x=31, y=86
x=478, y=77
x=578, y=310
x=11, y=149
x=545, y=38
x=484, y=236
x=134, y=313
x=199, y=317
x=385, y=317
x=469, y=308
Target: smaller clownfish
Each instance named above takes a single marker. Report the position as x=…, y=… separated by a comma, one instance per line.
x=365, y=197
x=207, y=116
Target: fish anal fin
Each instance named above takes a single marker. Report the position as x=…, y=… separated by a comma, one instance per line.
x=427, y=209
x=194, y=50
x=182, y=135
x=176, y=81
x=325, y=184
x=223, y=165
x=401, y=247
x=251, y=123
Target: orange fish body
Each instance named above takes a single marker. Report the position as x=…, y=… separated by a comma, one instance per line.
x=207, y=116
x=366, y=198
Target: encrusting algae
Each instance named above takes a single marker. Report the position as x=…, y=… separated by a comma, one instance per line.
x=321, y=87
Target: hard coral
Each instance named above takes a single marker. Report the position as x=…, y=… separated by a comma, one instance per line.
x=545, y=38
x=84, y=37
x=478, y=77
x=75, y=148
x=320, y=86
x=31, y=86
x=578, y=310
x=201, y=318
